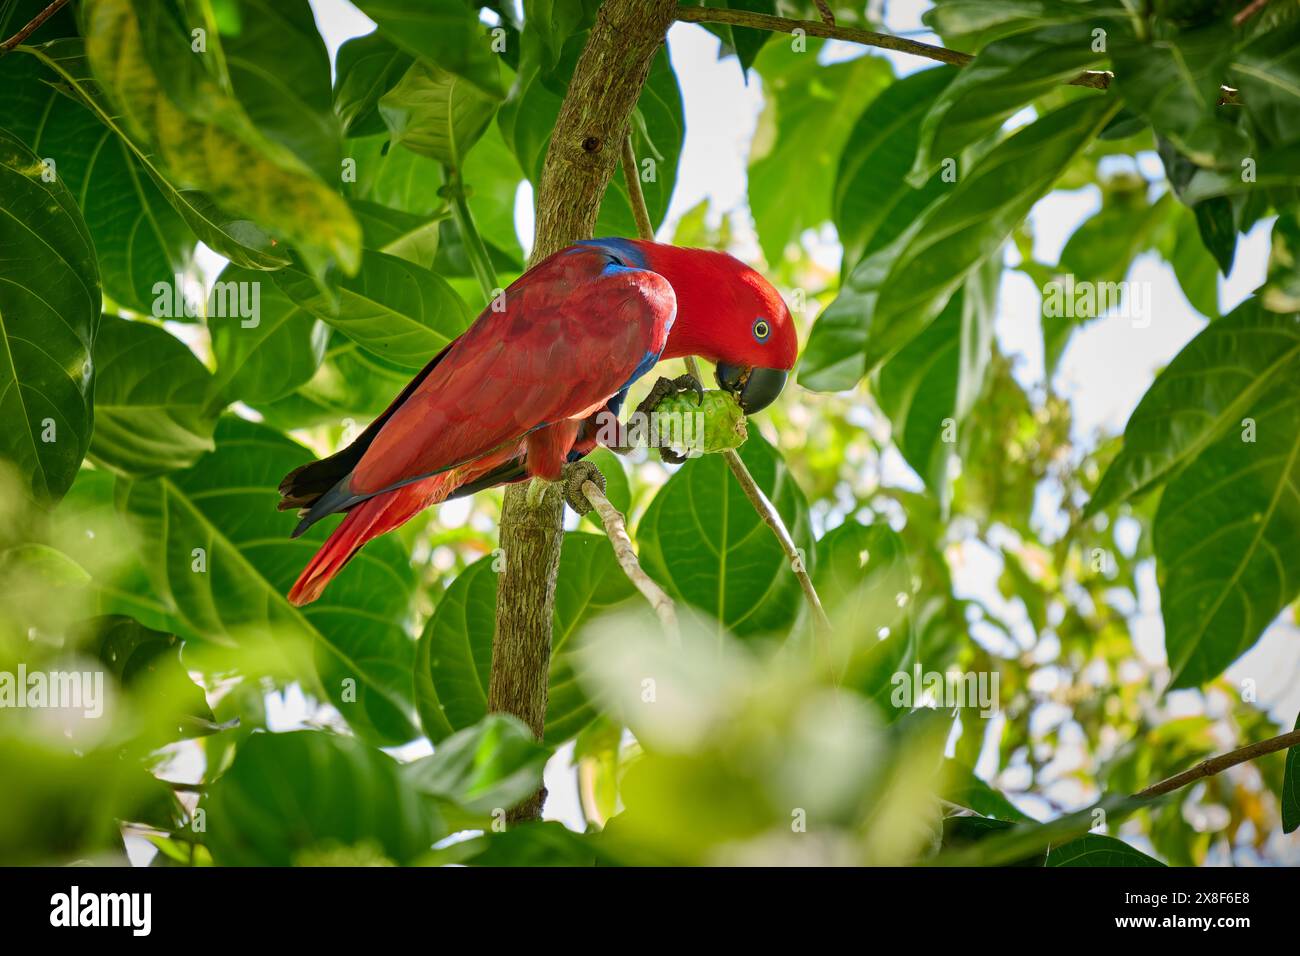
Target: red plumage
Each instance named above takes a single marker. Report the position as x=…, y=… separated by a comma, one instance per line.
x=516, y=395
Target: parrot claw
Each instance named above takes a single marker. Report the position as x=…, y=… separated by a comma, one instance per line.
x=666, y=387
x=575, y=473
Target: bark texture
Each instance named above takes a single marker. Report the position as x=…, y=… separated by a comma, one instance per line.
x=583, y=152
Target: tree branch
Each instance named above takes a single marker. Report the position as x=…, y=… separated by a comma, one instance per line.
x=771, y=517
x=32, y=26
x=616, y=530
x=1214, y=765
x=579, y=163
x=1245, y=13
x=816, y=28
x=640, y=213
x=1095, y=79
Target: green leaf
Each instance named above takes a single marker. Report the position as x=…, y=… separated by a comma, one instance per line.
x=394, y=178
x=1103, y=248
x=280, y=71
x=350, y=383
x=549, y=844
x=658, y=132
x=148, y=663
x=265, y=357
x=206, y=139
x=139, y=239
x=288, y=796
x=1218, y=378
x=239, y=240
x=591, y=582
x=492, y=177
x=969, y=791
x=407, y=235
x=1174, y=84
x=489, y=766
x=150, y=400
x=745, y=41
x=454, y=659
x=1097, y=849
x=1007, y=75
x=810, y=110
x=1215, y=220
x=1277, y=168
x=394, y=308
x=1227, y=533
x=445, y=33
x=897, y=291
x=873, y=203
x=704, y=542
x=49, y=310
x=550, y=23
x=1282, y=292
x=1267, y=72
x=1193, y=265
x=437, y=113
x=367, y=67
x=1290, y=796
x=970, y=24
x=1023, y=840
x=89, y=524
x=931, y=385
x=233, y=589
x=865, y=582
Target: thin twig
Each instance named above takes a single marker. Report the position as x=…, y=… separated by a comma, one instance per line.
x=616, y=531
x=829, y=31
x=824, y=9
x=1094, y=79
x=1245, y=13
x=772, y=518
x=32, y=26
x=475, y=250
x=1208, y=768
x=640, y=212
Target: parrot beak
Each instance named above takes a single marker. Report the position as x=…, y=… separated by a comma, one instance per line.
x=754, y=388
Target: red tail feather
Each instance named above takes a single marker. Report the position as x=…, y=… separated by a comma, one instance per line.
x=367, y=520
x=381, y=514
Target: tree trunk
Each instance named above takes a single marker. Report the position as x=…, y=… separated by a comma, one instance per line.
x=583, y=153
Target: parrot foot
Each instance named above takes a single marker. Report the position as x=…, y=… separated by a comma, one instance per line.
x=575, y=473
x=666, y=387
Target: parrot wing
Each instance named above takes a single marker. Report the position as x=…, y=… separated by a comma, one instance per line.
x=569, y=334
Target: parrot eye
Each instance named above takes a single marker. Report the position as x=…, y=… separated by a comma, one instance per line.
x=762, y=330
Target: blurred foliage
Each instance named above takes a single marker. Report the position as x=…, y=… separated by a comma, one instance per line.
x=993, y=685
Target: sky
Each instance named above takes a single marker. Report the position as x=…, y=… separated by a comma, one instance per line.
x=1104, y=371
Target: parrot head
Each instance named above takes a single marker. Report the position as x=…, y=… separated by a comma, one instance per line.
x=730, y=315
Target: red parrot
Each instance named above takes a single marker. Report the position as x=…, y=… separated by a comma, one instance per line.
x=524, y=389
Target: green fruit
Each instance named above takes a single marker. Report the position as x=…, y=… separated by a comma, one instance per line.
x=723, y=422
